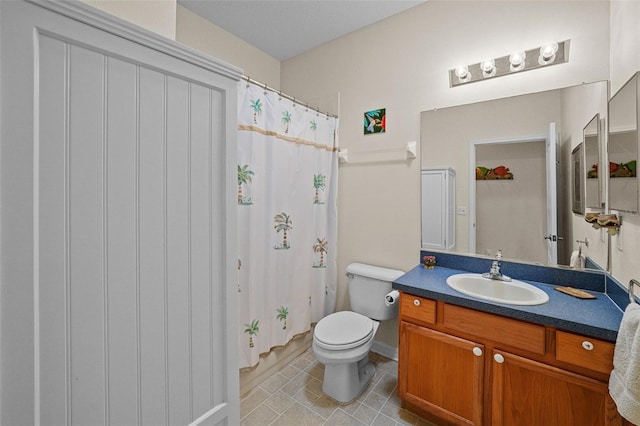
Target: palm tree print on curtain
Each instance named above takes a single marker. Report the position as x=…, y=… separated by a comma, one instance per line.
x=244, y=178
x=256, y=106
x=282, y=223
x=280, y=294
x=313, y=126
x=252, y=330
x=283, y=313
x=286, y=119
x=320, y=247
x=319, y=183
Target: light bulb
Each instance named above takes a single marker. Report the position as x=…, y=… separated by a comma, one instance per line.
x=548, y=50
x=463, y=73
x=488, y=67
x=517, y=60
x=548, y=53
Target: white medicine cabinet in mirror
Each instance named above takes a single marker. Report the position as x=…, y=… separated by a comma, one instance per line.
x=623, y=148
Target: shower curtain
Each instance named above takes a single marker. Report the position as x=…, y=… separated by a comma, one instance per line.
x=287, y=220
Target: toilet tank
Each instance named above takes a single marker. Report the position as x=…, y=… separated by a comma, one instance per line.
x=367, y=287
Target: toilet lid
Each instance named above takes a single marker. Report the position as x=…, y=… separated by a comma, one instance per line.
x=345, y=329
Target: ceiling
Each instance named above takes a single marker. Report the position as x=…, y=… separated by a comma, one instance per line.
x=286, y=28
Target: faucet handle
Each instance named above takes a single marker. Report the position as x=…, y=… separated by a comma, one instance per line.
x=499, y=254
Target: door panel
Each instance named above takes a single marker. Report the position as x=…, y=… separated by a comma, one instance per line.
x=552, y=195
x=442, y=375
x=117, y=183
x=526, y=392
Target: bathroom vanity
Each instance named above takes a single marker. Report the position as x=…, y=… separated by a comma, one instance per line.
x=464, y=361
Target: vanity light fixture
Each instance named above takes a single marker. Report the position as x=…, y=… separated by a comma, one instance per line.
x=552, y=53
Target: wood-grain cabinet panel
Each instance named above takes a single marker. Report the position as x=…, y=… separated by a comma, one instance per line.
x=443, y=372
x=465, y=367
x=586, y=352
x=522, y=335
x=530, y=393
x=417, y=308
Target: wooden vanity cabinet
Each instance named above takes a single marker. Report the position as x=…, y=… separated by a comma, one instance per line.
x=459, y=366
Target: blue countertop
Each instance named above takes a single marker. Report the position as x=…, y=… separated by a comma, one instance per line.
x=598, y=318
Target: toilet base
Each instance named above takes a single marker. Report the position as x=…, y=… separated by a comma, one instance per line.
x=345, y=382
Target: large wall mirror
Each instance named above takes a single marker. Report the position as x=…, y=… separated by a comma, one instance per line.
x=507, y=137
x=623, y=148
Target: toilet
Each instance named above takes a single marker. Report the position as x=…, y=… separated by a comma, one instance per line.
x=342, y=340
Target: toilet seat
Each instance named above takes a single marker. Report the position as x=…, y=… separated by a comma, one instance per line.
x=343, y=330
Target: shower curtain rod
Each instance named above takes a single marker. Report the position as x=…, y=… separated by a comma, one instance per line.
x=291, y=98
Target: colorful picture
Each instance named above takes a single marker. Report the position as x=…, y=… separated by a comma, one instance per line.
x=375, y=121
x=622, y=169
x=497, y=173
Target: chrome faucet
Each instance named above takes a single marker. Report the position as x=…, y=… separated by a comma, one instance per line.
x=494, y=273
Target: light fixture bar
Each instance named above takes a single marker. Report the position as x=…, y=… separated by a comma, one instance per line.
x=542, y=56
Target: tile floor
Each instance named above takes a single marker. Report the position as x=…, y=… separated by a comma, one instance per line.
x=293, y=397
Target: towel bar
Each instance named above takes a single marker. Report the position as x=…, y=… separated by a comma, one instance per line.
x=632, y=282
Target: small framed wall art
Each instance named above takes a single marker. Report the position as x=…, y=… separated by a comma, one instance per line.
x=375, y=121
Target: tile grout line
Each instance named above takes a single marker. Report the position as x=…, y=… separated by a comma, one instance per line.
x=310, y=366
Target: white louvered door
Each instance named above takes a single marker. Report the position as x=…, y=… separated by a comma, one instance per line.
x=118, y=169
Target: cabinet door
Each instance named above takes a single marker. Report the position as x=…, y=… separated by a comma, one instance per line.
x=441, y=374
x=526, y=392
x=438, y=204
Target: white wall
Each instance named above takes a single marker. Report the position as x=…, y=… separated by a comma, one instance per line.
x=206, y=37
x=625, y=41
x=158, y=16
x=511, y=215
x=625, y=61
x=577, y=111
x=401, y=64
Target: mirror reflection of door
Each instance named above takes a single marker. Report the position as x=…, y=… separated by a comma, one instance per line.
x=510, y=215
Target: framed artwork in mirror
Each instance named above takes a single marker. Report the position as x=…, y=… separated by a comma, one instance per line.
x=577, y=173
x=623, y=147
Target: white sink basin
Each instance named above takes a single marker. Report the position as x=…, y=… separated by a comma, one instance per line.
x=510, y=292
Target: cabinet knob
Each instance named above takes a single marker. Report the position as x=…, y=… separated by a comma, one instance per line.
x=416, y=302
x=477, y=351
x=587, y=345
x=498, y=358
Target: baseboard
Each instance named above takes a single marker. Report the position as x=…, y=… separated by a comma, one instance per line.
x=385, y=350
